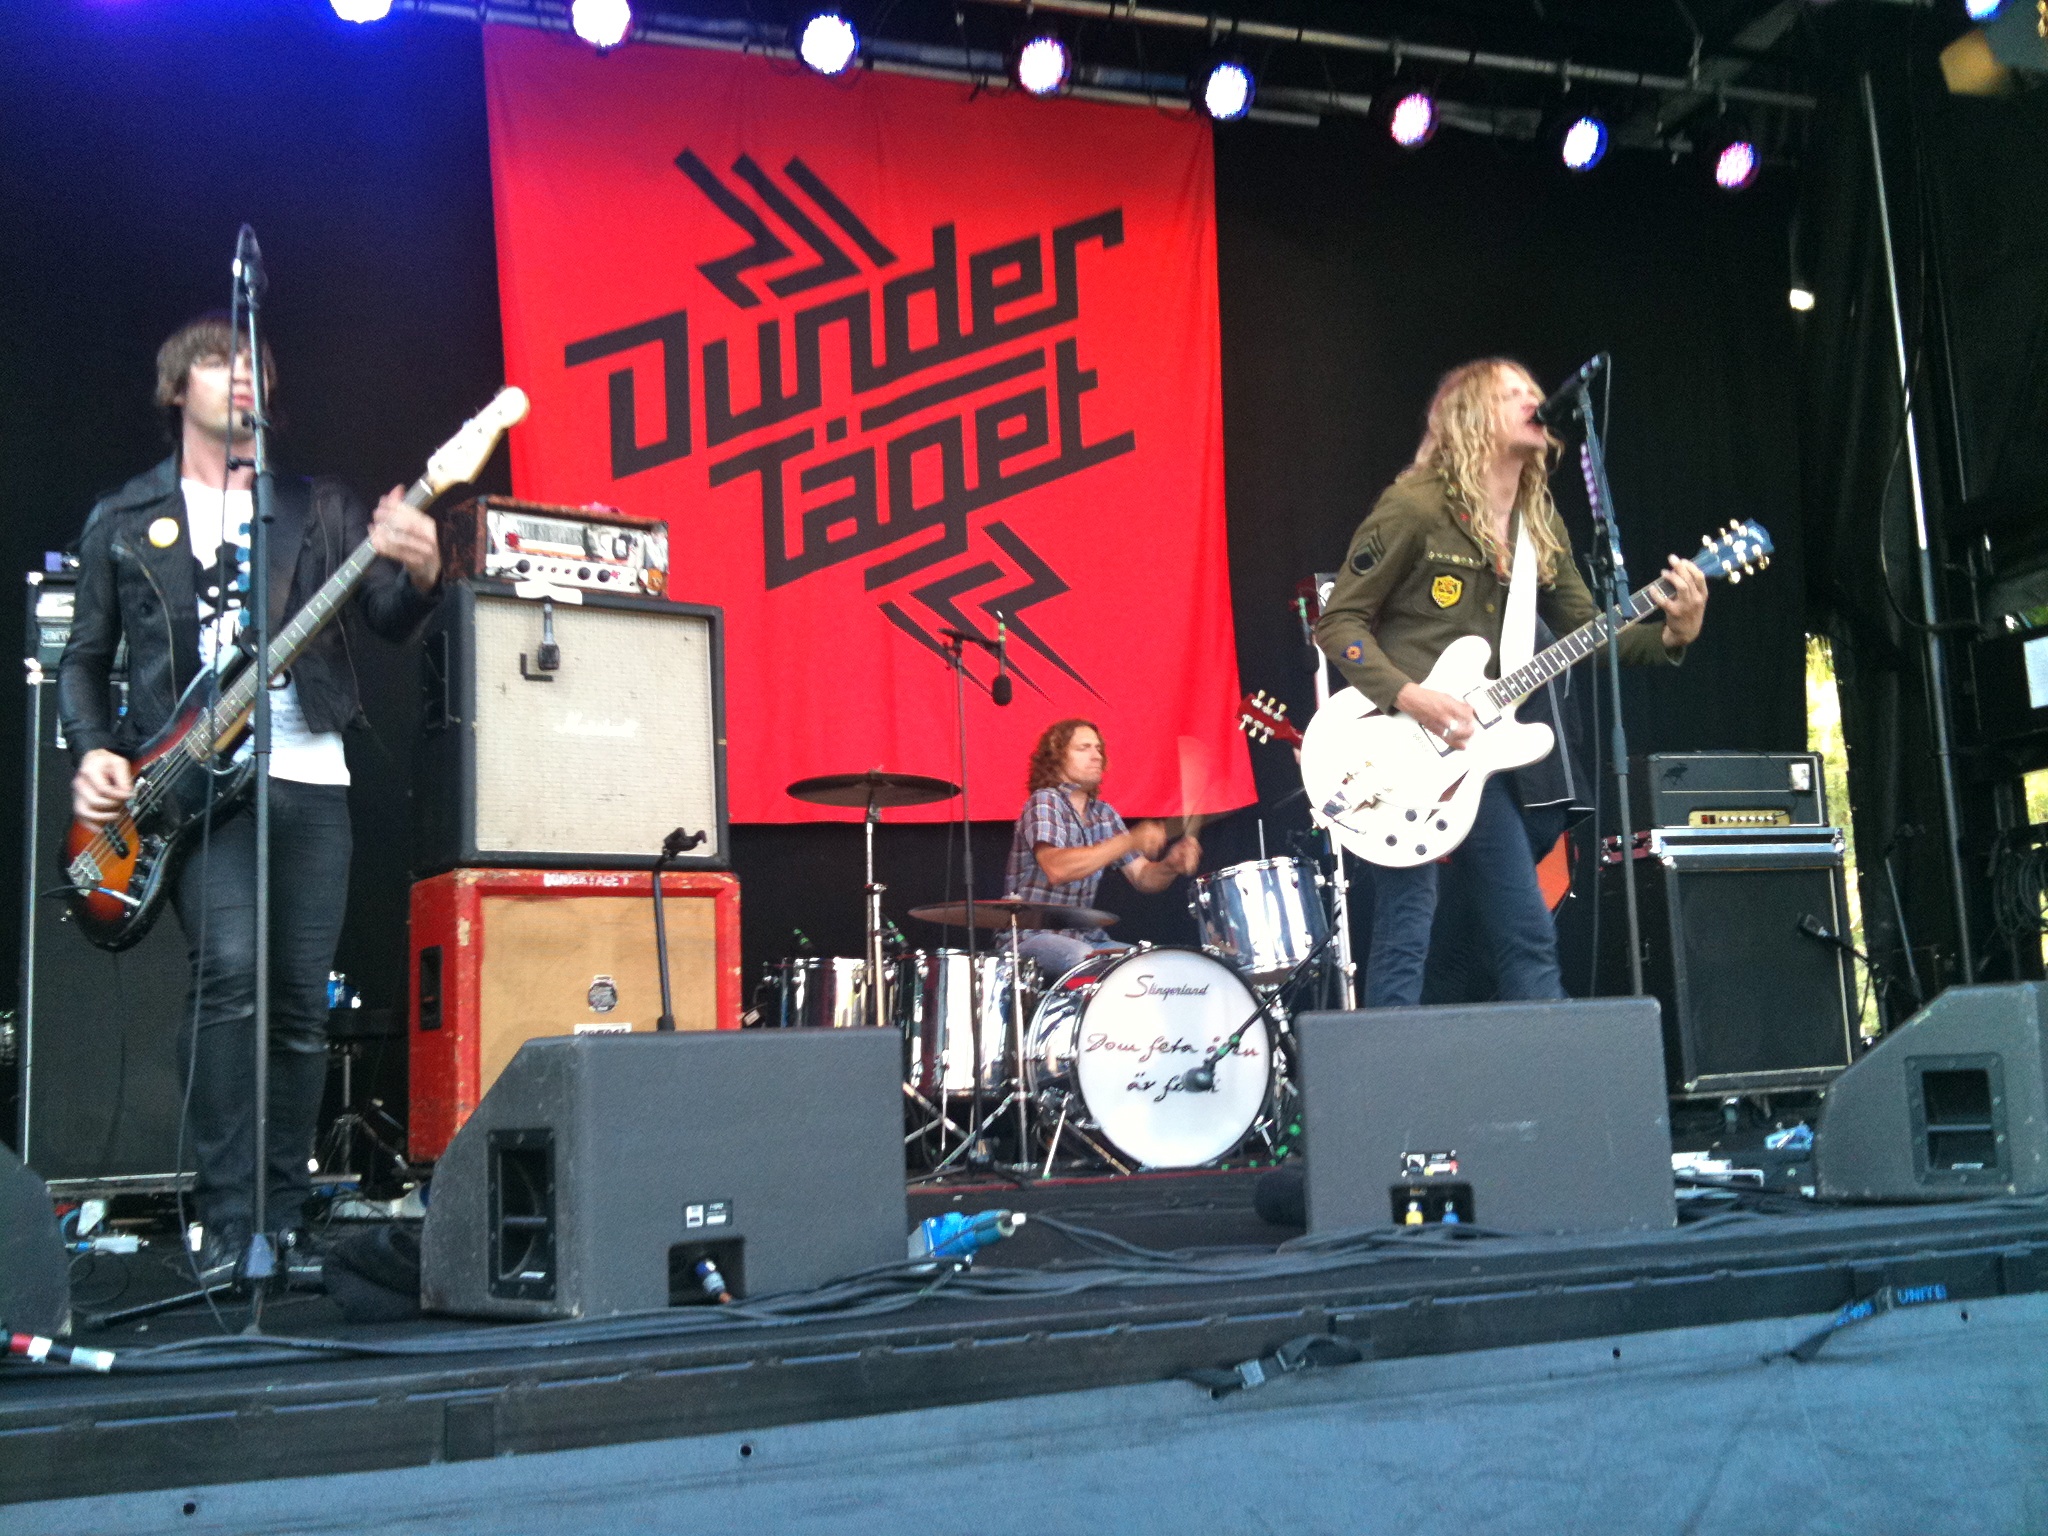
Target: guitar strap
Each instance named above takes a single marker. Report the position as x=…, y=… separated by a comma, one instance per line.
x=1518, y=624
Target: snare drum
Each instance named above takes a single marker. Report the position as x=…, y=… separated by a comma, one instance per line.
x=1265, y=917
x=939, y=1019
x=1114, y=1034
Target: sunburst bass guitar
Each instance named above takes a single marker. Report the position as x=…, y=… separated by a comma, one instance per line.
x=117, y=876
x=1399, y=795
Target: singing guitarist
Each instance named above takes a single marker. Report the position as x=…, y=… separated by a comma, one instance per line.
x=1431, y=564
x=163, y=566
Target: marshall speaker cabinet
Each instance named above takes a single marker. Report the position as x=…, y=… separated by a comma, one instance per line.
x=503, y=956
x=571, y=730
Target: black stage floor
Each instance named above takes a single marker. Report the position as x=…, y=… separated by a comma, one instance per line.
x=1114, y=1282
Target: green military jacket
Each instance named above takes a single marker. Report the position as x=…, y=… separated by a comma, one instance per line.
x=1415, y=579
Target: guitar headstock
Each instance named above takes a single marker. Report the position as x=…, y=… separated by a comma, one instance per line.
x=1739, y=550
x=462, y=458
x=1264, y=718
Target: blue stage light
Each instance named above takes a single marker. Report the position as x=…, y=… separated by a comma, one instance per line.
x=1981, y=10
x=601, y=23
x=828, y=43
x=1227, y=93
x=1042, y=65
x=1584, y=144
x=362, y=10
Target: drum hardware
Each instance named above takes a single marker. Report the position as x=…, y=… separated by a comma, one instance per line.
x=869, y=792
x=1202, y=1078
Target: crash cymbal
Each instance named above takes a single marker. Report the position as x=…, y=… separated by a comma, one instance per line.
x=875, y=787
x=996, y=912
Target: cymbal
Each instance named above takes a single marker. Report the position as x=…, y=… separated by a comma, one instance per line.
x=861, y=790
x=996, y=913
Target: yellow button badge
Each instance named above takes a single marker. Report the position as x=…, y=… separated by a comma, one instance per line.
x=1446, y=590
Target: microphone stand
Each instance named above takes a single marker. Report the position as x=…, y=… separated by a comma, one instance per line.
x=1611, y=572
x=956, y=648
x=259, y=1263
x=673, y=846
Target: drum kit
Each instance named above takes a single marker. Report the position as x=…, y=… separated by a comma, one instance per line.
x=1138, y=1058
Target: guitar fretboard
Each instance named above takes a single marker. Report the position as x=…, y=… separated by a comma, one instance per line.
x=214, y=731
x=1574, y=648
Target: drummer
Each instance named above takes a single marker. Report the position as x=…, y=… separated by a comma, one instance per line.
x=1068, y=835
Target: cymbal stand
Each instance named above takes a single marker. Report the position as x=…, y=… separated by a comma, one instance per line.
x=878, y=985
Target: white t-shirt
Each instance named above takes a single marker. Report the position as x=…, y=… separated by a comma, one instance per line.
x=296, y=753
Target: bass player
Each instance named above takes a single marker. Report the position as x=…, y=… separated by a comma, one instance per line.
x=163, y=567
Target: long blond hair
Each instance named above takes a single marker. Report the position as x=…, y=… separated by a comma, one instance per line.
x=1458, y=444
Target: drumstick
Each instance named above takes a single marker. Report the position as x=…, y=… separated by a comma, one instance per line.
x=1195, y=782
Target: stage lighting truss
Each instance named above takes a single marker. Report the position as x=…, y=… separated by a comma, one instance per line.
x=1042, y=65
x=827, y=42
x=601, y=23
x=1412, y=118
x=362, y=10
x=1227, y=89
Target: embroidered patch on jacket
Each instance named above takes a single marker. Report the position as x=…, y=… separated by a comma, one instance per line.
x=1368, y=553
x=163, y=533
x=1446, y=590
x=1354, y=652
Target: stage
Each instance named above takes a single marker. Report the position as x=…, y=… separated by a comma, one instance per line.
x=1115, y=1293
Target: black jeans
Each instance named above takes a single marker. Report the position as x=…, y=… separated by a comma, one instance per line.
x=216, y=902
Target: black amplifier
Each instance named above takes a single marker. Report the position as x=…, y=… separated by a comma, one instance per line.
x=1728, y=790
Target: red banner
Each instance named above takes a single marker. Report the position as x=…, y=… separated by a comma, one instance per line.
x=888, y=358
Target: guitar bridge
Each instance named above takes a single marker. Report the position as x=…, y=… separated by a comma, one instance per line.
x=85, y=874
x=1343, y=802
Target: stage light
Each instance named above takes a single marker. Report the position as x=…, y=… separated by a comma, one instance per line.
x=601, y=23
x=1584, y=144
x=1735, y=167
x=1042, y=65
x=1802, y=299
x=1227, y=93
x=362, y=10
x=828, y=43
x=1412, y=123
x=1981, y=10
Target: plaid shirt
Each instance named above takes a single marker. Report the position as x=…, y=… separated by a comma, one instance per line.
x=1049, y=817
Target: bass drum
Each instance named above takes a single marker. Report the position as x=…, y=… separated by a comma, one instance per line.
x=1114, y=1035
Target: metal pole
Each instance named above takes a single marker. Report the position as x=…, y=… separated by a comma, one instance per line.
x=1930, y=634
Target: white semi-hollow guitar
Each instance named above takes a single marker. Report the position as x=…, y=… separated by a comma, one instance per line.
x=1399, y=795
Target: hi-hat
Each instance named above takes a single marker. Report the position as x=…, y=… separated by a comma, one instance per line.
x=861, y=790
x=997, y=911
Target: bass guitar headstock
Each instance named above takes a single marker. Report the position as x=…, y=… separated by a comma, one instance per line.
x=462, y=458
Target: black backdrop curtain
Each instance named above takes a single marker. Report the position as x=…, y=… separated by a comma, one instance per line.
x=1352, y=275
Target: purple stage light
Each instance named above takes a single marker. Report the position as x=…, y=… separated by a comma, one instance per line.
x=1413, y=120
x=1736, y=166
x=828, y=43
x=1042, y=65
x=601, y=23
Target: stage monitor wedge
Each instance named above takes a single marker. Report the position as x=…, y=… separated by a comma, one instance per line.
x=601, y=1171
x=1951, y=1105
x=1519, y=1117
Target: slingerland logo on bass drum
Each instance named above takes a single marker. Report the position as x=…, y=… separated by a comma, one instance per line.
x=907, y=494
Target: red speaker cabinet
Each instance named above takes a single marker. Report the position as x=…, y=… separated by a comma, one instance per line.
x=501, y=956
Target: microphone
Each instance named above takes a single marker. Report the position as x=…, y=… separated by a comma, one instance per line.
x=1002, y=690
x=1199, y=1079
x=1563, y=403
x=1814, y=928
x=249, y=262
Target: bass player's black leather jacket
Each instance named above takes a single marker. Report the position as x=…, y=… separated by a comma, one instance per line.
x=139, y=587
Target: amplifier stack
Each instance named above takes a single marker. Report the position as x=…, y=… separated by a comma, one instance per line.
x=569, y=725
x=1739, y=879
